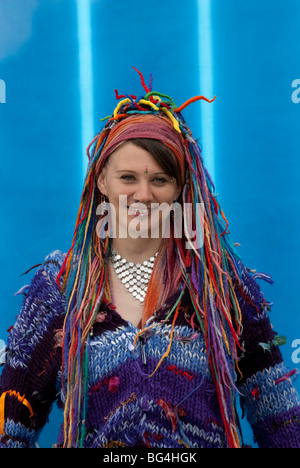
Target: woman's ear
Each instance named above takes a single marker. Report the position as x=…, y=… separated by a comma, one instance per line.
x=101, y=182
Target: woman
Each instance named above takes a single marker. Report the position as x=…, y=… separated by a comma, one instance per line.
x=150, y=327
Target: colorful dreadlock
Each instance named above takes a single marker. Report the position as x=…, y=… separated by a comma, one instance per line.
x=206, y=271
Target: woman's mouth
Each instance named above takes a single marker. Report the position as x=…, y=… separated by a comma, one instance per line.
x=141, y=212
x=138, y=212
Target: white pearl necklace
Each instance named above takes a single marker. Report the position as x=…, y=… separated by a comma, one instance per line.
x=134, y=276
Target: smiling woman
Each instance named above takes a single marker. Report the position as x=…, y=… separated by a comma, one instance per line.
x=124, y=176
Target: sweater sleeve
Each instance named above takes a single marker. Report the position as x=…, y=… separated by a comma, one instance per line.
x=28, y=384
x=267, y=394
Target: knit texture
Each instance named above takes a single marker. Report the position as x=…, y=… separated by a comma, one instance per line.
x=176, y=407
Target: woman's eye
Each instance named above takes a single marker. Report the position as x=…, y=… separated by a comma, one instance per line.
x=160, y=180
x=155, y=180
x=127, y=177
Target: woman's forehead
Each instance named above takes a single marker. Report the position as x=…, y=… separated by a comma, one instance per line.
x=132, y=157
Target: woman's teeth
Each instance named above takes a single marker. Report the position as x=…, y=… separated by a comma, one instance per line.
x=138, y=212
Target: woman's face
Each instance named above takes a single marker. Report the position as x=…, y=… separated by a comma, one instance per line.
x=139, y=190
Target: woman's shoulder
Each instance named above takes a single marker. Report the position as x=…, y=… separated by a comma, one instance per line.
x=49, y=268
x=56, y=258
x=44, y=284
x=42, y=310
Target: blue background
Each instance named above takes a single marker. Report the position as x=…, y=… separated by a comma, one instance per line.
x=61, y=61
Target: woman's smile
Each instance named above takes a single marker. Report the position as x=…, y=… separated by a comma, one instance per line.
x=142, y=211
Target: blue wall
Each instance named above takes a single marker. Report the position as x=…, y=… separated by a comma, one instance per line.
x=245, y=53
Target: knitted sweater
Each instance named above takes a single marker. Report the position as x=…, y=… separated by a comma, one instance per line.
x=127, y=408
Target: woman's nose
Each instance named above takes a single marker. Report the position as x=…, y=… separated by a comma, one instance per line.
x=143, y=192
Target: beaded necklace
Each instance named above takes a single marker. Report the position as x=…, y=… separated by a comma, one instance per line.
x=134, y=276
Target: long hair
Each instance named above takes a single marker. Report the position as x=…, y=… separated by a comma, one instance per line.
x=206, y=270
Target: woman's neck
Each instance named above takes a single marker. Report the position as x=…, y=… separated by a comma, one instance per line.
x=136, y=250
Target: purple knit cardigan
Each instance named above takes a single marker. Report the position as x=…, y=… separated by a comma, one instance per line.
x=175, y=408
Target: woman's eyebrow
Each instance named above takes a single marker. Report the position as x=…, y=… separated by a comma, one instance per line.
x=126, y=170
